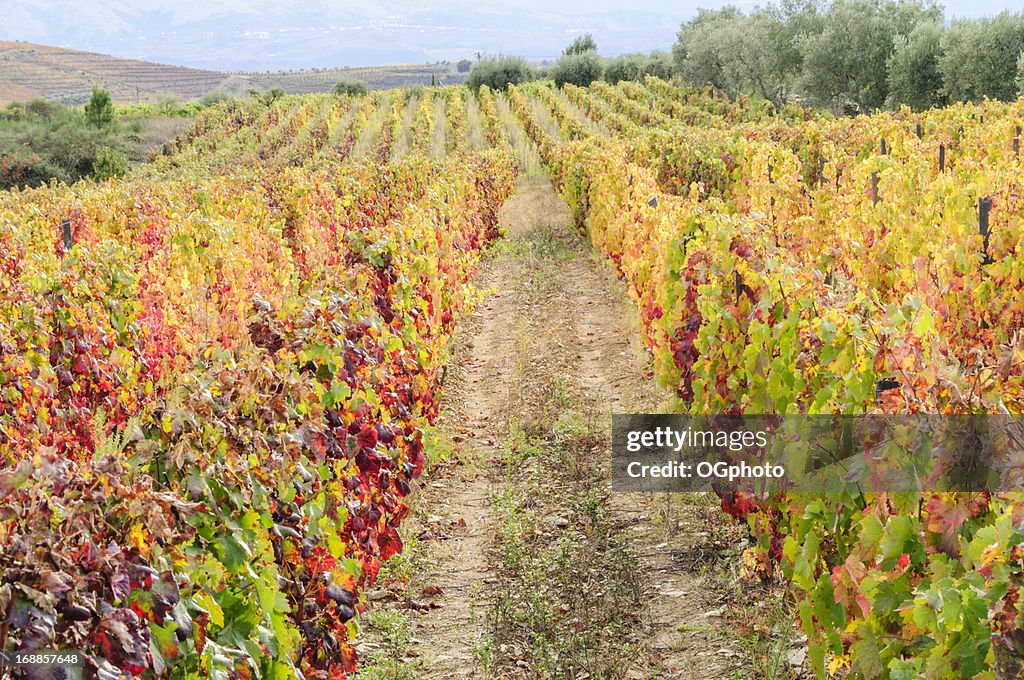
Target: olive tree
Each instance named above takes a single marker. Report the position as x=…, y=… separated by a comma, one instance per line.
x=732, y=51
x=912, y=71
x=980, y=58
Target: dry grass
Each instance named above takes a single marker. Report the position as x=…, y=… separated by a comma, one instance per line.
x=526, y=152
x=157, y=131
x=580, y=116
x=403, y=140
x=371, y=131
x=475, y=125
x=438, y=141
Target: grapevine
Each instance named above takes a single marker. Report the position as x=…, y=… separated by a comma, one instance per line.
x=791, y=264
x=213, y=398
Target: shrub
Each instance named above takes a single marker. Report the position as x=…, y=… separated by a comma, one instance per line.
x=625, y=67
x=578, y=69
x=109, y=163
x=170, y=106
x=659, y=65
x=267, y=96
x=38, y=109
x=40, y=141
x=351, y=87
x=23, y=168
x=215, y=96
x=499, y=73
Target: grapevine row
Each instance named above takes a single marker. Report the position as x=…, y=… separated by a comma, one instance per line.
x=213, y=389
x=761, y=293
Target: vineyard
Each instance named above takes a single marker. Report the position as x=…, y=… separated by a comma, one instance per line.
x=783, y=263
x=216, y=374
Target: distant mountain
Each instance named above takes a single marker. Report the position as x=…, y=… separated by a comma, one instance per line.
x=244, y=35
x=28, y=70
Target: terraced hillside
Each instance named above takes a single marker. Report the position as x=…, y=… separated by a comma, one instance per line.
x=377, y=77
x=67, y=76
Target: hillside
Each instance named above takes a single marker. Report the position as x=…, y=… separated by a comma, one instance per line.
x=67, y=76
x=377, y=77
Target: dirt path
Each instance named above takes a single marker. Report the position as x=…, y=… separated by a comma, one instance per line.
x=533, y=568
x=474, y=419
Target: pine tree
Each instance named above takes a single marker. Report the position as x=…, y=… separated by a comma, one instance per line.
x=100, y=109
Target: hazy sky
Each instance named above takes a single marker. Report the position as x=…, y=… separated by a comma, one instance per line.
x=281, y=34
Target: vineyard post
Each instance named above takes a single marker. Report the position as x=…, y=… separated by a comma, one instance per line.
x=738, y=283
x=885, y=150
x=874, y=188
x=65, y=229
x=884, y=385
x=920, y=131
x=984, y=206
x=821, y=170
x=1016, y=141
x=942, y=157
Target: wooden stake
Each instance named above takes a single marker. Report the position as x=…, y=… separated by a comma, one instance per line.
x=984, y=207
x=65, y=229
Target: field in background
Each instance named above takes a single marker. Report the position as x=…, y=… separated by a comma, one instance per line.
x=67, y=76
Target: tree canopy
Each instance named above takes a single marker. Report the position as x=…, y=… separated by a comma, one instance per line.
x=860, y=54
x=581, y=45
x=99, y=111
x=499, y=73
